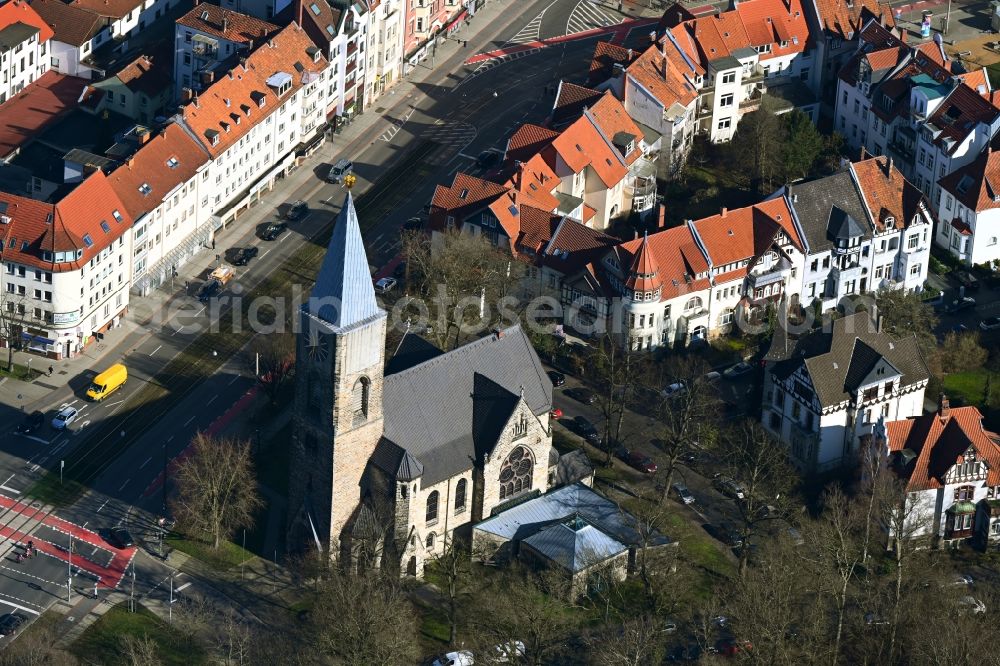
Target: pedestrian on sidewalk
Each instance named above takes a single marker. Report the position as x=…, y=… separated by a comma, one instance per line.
x=51, y=370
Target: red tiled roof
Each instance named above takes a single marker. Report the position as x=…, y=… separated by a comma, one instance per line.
x=961, y=226
x=535, y=179
x=941, y=442
x=167, y=160
x=570, y=102
x=982, y=187
x=574, y=245
x=70, y=23
x=580, y=145
x=536, y=229
x=230, y=107
x=887, y=194
x=25, y=115
x=745, y=233
x=677, y=258
x=673, y=86
x=606, y=56
x=960, y=113
x=142, y=76
x=885, y=58
x=74, y=223
x=21, y=12
x=610, y=116
x=528, y=140
x=643, y=274
x=112, y=8
x=844, y=18
x=218, y=22
x=978, y=81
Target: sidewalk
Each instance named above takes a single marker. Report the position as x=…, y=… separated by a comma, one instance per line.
x=46, y=392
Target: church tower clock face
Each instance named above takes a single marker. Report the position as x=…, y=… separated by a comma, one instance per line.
x=316, y=348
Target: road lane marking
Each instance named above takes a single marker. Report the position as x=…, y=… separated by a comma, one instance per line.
x=145, y=463
x=23, y=608
x=211, y=400
x=123, y=485
x=182, y=587
x=156, y=350
x=103, y=505
x=188, y=422
x=4, y=486
x=36, y=439
x=235, y=377
x=170, y=438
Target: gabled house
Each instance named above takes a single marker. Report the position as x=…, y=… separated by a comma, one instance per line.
x=914, y=105
x=969, y=208
x=951, y=467
x=824, y=391
x=142, y=90
x=865, y=228
x=24, y=47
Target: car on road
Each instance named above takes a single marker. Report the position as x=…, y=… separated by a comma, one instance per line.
x=120, y=538
x=972, y=605
x=413, y=224
x=339, y=171
x=967, y=280
x=272, y=231
x=65, y=416
x=297, y=211
x=244, y=255
x=31, y=423
x=459, y=658
x=964, y=303
x=641, y=462
x=385, y=285
x=729, y=488
x=488, y=159
x=738, y=370
x=990, y=324
x=682, y=493
x=583, y=427
x=725, y=533
x=584, y=395
x=674, y=390
x=11, y=623
x=557, y=378
x=555, y=413
x=208, y=290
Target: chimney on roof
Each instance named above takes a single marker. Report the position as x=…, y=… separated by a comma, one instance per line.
x=225, y=24
x=724, y=211
x=652, y=36
x=864, y=153
x=301, y=5
x=888, y=167
x=630, y=55
x=661, y=223
x=194, y=100
x=666, y=63
x=944, y=407
x=186, y=94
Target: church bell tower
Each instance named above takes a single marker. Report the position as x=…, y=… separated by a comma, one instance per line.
x=337, y=417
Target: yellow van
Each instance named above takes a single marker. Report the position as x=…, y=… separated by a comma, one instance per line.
x=107, y=382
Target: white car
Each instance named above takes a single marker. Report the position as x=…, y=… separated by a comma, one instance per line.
x=384, y=285
x=65, y=416
x=962, y=579
x=990, y=324
x=675, y=389
x=460, y=658
x=972, y=605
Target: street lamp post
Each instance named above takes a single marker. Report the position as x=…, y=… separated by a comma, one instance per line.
x=170, y=608
x=69, y=572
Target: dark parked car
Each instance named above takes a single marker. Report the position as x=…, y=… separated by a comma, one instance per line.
x=120, y=537
x=10, y=623
x=272, y=231
x=399, y=272
x=557, y=378
x=964, y=303
x=244, y=256
x=729, y=488
x=738, y=370
x=641, y=462
x=682, y=493
x=209, y=289
x=583, y=427
x=488, y=159
x=297, y=211
x=413, y=224
x=31, y=423
x=990, y=324
x=727, y=534
x=967, y=280
x=586, y=396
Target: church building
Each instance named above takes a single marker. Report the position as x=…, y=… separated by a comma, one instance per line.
x=392, y=459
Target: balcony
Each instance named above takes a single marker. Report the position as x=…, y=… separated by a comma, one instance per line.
x=204, y=47
x=778, y=273
x=850, y=271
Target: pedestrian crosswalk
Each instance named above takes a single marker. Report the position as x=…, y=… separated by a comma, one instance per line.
x=528, y=33
x=590, y=14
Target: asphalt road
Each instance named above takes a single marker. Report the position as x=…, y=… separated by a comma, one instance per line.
x=460, y=120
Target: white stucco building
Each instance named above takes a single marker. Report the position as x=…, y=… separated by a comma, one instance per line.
x=969, y=211
x=24, y=47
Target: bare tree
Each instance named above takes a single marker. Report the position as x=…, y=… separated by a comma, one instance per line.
x=637, y=642
x=215, y=487
x=138, y=650
x=234, y=639
x=615, y=368
x=13, y=316
x=760, y=463
x=456, y=274
x=656, y=560
x=686, y=420
x=271, y=359
x=455, y=567
x=363, y=619
x=36, y=647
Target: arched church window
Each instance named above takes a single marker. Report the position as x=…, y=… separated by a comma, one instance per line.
x=362, y=388
x=432, y=508
x=460, y=495
x=515, y=473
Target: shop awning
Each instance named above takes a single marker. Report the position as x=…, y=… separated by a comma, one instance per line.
x=37, y=340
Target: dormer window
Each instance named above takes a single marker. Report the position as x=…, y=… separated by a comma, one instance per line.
x=172, y=162
x=145, y=189
x=225, y=126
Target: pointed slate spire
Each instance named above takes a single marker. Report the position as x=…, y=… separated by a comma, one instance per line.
x=644, y=274
x=344, y=295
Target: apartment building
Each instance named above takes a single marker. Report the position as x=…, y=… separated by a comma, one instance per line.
x=142, y=90
x=65, y=274
x=913, y=104
x=24, y=47
x=969, y=211
x=385, y=46
x=341, y=31
x=424, y=21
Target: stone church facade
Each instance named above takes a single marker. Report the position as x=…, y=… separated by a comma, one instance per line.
x=391, y=459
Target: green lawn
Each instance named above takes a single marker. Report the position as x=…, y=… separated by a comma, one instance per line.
x=102, y=638
x=227, y=556
x=700, y=550
x=18, y=371
x=968, y=386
